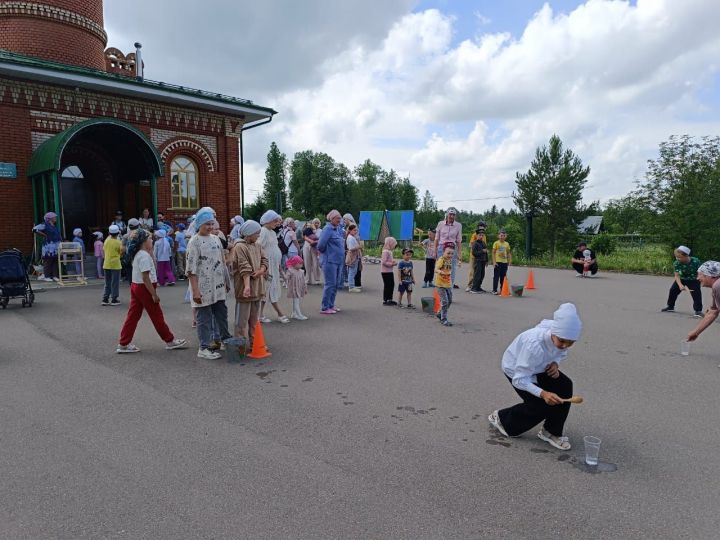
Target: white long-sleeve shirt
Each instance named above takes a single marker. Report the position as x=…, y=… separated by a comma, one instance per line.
x=528, y=356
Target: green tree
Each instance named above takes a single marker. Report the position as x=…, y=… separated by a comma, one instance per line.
x=626, y=215
x=552, y=190
x=274, y=193
x=428, y=214
x=681, y=193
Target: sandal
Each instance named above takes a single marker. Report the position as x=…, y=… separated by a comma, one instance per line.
x=561, y=443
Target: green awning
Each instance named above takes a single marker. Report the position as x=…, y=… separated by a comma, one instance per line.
x=48, y=156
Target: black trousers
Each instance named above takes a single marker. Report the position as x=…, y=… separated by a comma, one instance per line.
x=478, y=274
x=358, y=276
x=388, y=285
x=580, y=268
x=526, y=415
x=499, y=275
x=429, y=270
x=694, y=286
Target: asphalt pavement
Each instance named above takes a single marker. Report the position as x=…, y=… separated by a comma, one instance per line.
x=371, y=423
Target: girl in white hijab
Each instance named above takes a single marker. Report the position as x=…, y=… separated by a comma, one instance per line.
x=531, y=364
x=269, y=243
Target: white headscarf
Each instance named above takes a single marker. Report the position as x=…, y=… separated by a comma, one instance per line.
x=566, y=324
x=269, y=217
x=249, y=228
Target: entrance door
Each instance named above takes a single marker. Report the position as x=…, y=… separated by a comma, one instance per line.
x=78, y=201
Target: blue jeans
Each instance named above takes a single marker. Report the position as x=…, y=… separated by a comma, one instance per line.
x=112, y=285
x=352, y=272
x=333, y=279
x=207, y=316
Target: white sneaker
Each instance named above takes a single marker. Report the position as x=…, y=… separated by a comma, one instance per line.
x=125, y=349
x=208, y=354
x=265, y=320
x=467, y=289
x=354, y=290
x=301, y=317
x=176, y=344
x=494, y=419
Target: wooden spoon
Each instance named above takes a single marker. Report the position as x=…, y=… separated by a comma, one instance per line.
x=574, y=399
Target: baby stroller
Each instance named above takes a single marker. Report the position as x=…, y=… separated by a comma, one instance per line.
x=14, y=281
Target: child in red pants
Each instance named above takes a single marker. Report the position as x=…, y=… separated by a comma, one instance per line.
x=143, y=295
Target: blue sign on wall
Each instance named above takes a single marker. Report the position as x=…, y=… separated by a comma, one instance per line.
x=8, y=170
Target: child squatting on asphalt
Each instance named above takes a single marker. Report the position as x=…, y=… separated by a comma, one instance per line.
x=531, y=364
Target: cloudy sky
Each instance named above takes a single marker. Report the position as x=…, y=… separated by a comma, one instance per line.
x=455, y=93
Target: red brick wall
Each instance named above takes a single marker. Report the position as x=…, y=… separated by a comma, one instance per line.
x=16, y=212
x=57, y=38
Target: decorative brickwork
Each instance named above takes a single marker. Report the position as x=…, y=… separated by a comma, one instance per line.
x=198, y=149
x=44, y=11
x=118, y=62
x=161, y=136
x=92, y=104
x=65, y=31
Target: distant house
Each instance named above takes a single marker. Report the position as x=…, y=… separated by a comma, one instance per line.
x=591, y=225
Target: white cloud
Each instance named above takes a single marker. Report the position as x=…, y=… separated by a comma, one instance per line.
x=612, y=79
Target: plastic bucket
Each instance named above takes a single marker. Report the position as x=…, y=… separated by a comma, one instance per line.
x=427, y=303
x=517, y=290
x=235, y=349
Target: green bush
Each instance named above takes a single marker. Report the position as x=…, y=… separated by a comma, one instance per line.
x=604, y=244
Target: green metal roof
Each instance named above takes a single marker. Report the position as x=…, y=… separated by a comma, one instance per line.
x=48, y=156
x=32, y=62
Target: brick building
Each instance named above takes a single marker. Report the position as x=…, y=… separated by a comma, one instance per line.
x=84, y=134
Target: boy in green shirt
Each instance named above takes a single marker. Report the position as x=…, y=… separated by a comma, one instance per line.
x=686, y=268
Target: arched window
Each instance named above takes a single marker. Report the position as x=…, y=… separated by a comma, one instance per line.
x=73, y=171
x=184, y=183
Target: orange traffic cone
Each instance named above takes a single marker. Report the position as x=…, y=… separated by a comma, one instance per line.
x=259, y=350
x=437, y=305
x=530, y=281
x=505, y=291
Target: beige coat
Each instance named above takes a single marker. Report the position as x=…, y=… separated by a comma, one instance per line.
x=246, y=259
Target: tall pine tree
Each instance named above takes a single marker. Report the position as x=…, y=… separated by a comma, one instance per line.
x=552, y=190
x=274, y=193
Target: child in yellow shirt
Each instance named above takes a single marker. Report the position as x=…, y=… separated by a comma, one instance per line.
x=112, y=249
x=443, y=281
x=501, y=259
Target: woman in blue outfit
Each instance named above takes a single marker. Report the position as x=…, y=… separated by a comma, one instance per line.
x=332, y=259
x=51, y=241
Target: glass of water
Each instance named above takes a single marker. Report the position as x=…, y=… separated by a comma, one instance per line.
x=592, y=450
x=685, y=348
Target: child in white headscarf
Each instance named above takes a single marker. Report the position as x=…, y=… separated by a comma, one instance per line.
x=99, y=256
x=531, y=364
x=163, y=253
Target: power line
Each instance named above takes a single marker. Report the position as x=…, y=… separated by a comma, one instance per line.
x=481, y=199
x=497, y=198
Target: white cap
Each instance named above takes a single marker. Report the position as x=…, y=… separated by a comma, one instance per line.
x=683, y=249
x=566, y=323
x=98, y=234
x=77, y=232
x=114, y=229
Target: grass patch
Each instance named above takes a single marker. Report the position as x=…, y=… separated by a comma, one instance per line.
x=648, y=259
